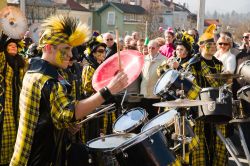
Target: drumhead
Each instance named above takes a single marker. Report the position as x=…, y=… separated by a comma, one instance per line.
x=109, y=142
x=165, y=81
x=129, y=120
x=164, y=118
x=139, y=138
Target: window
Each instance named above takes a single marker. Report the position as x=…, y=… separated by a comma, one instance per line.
x=111, y=18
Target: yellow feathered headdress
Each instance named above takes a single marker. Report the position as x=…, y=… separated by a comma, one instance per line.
x=208, y=35
x=63, y=30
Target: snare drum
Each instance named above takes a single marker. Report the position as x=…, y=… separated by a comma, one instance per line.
x=164, y=119
x=167, y=120
x=148, y=148
x=100, y=148
x=219, y=111
x=130, y=121
x=170, y=81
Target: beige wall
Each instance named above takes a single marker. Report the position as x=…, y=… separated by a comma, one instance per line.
x=84, y=17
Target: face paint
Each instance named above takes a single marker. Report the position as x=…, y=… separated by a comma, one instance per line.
x=207, y=47
x=60, y=56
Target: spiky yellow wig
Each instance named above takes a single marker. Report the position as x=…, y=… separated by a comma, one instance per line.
x=63, y=30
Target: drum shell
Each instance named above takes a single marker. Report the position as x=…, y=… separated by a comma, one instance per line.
x=101, y=156
x=167, y=120
x=126, y=123
x=244, y=93
x=216, y=112
x=243, y=70
x=171, y=81
x=148, y=148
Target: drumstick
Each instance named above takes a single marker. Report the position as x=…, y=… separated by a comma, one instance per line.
x=118, y=48
x=97, y=113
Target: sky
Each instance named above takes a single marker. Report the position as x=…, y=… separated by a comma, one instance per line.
x=221, y=6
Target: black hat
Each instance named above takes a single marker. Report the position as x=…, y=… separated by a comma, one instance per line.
x=94, y=43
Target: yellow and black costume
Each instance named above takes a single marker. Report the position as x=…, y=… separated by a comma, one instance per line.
x=210, y=151
x=45, y=107
x=103, y=123
x=12, y=70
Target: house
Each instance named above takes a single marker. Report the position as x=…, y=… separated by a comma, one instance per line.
x=74, y=9
x=126, y=17
x=38, y=10
x=178, y=16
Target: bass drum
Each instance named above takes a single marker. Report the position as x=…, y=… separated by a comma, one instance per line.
x=243, y=70
x=100, y=149
x=148, y=148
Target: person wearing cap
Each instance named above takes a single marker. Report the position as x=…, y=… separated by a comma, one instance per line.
x=168, y=49
x=45, y=108
x=182, y=54
x=95, y=55
x=211, y=150
x=12, y=70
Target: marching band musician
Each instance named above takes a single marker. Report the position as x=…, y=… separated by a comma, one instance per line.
x=45, y=108
x=11, y=75
x=211, y=150
x=95, y=55
x=182, y=54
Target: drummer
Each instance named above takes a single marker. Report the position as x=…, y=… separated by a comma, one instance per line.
x=45, y=108
x=211, y=151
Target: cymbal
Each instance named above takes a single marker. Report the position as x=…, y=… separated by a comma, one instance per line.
x=182, y=103
x=223, y=76
x=13, y=22
x=131, y=62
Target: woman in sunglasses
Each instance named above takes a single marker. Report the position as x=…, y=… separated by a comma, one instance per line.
x=223, y=54
x=95, y=55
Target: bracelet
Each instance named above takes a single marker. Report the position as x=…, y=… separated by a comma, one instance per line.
x=105, y=93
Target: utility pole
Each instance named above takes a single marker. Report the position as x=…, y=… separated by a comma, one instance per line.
x=201, y=16
x=22, y=6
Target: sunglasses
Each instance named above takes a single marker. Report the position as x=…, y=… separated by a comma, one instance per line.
x=225, y=44
x=100, y=51
x=245, y=37
x=110, y=39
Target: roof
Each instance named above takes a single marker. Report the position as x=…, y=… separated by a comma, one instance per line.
x=70, y=4
x=45, y=3
x=76, y=6
x=208, y=22
x=125, y=8
x=177, y=7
